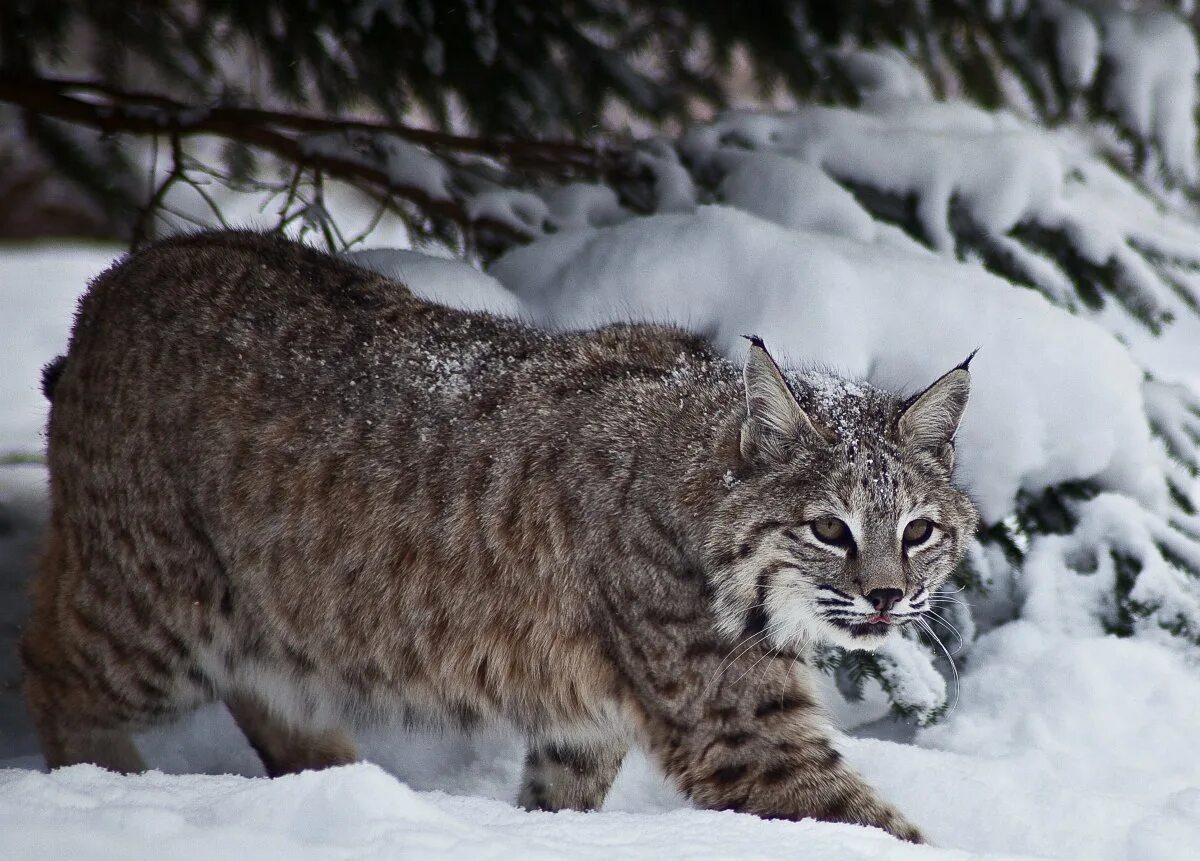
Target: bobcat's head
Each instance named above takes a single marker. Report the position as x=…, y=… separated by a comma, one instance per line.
x=844, y=520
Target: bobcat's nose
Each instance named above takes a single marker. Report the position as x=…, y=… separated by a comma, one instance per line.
x=884, y=599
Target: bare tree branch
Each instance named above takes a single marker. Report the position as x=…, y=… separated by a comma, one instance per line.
x=518, y=151
x=113, y=111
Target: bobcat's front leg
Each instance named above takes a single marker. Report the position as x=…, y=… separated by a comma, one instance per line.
x=749, y=737
x=562, y=776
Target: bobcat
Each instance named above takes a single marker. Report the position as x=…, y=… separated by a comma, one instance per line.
x=284, y=482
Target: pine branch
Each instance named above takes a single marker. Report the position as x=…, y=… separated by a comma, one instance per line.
x=113, y=111
x=525, y=153
x=146, y=215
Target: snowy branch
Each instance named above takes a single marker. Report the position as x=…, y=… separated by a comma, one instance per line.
x=292, y=138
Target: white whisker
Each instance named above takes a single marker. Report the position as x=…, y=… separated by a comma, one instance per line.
x=946, y=622
x=947, y=599
x=761, y=658
x=949, y=658
x=949, y=602
x=740, y=648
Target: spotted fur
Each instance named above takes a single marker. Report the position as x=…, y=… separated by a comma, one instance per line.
x=284, y=482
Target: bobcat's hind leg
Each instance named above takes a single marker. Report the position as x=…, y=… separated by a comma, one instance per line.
x=104, y=654
x=78, y=718
x=572, y=776
x=283, y=748
x=69, y=741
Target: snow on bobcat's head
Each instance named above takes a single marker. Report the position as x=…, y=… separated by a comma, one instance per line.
x=843, y=520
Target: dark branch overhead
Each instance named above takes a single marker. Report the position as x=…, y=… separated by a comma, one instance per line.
x=112, y=111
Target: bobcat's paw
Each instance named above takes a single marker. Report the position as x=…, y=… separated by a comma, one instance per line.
x=879, y=814
x=896, y=825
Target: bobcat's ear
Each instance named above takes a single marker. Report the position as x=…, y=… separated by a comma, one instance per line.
x=930, y=419
x=774, y=416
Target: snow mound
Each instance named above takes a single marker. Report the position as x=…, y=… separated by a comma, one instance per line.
x=1153, y=87
x=998, y=170
x=440, y=279
x=582, y=204
x=1045, y=721
x=406, y=165
x=1054, y=398
x=359, y=811
x=967, y=181
x=522, y=211
x=793, y=194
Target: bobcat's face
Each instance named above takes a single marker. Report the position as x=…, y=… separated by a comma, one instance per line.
x=866, y=536
x=845, y=522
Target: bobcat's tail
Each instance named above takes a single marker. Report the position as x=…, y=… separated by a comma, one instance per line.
x=51, y=371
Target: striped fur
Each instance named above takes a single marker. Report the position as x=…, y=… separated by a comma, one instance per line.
x=284, y=482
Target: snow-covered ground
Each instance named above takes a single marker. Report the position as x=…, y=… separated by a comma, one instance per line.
x=1064, y=743
x=1073, y=749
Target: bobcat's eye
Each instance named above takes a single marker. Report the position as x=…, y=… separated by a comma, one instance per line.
x=831, y=530
x=917, y=532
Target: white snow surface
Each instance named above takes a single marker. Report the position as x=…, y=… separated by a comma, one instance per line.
x=583, y=204
x=792, y=193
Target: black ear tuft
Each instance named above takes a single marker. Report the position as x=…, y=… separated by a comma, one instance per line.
x=775, y=418
x=965, y=364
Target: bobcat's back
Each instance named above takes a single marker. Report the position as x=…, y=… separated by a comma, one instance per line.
x=274, y=471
